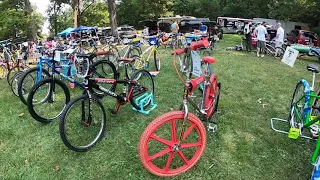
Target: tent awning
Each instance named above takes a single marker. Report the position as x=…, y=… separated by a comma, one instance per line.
x=82, y=28
x=65, y=32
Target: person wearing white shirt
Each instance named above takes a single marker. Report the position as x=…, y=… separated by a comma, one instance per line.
x=261, y=33
x=279, y=38
x=145, y=33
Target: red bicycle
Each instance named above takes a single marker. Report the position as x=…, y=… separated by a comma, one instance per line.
x=174, y=142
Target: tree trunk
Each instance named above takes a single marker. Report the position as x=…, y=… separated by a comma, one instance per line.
x=113, y=17
x=76, y=13
x=32, y=35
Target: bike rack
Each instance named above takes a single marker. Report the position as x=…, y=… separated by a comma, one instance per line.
x=285, y=132
x=141, y=102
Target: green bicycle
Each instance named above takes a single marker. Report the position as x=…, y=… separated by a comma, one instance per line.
x=305, y=112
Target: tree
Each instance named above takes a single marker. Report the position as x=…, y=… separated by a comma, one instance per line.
x=113, y=16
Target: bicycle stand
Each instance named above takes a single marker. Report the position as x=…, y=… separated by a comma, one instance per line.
x=154, y=73
x=141, y=101
x=285, y=132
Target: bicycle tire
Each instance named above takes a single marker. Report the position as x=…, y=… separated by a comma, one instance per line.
x=134, y=50
x=14, y=82
x=108, y=71
x=210, y=96
x=35, y=88
x=63, y=128
x=22, y=96
x=3, y=71
x=172, y=118
x=11, y=73
x=157, y=61
x=137, y=76
x=293, y=120
x=271, y=51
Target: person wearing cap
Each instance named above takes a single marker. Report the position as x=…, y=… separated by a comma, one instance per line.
x=261, y=33
x=247, y=32
x=279, y=38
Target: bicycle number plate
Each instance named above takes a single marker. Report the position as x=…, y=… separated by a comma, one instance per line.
x=294, y=133
x=196, y=64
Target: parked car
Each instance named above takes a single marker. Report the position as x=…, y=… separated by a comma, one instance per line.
x=302, y=37
x=127, y=31
x=190, y=24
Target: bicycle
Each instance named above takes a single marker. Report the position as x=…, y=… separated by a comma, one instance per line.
x=88, y=130
x=171, y=131
x=49, y=97
x=140, y=62
x=304, y=111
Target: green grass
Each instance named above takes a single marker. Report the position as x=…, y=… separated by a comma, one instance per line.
x=245, y=147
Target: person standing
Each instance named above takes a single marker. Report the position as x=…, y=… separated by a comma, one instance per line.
x=145, y=34
x=279, y=38
x=247, y=32
x=261, y=33
x=203, y=29
x=174, y=31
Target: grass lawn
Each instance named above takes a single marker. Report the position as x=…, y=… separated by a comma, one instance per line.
x=254, y=90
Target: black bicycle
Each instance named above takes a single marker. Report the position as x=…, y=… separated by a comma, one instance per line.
x=83, y=122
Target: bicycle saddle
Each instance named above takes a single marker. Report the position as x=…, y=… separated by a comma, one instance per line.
x=209, y=60
x=85, y=55
x=313, y=68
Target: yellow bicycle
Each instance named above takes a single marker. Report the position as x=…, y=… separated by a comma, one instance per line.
x=142, y=61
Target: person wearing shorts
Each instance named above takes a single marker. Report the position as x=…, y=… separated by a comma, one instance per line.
x=261, y=33
x=279, y=38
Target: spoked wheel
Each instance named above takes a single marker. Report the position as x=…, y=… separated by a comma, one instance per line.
x=47, y=100
x=104, y=69
x=280, y=52
x=28, y=80
x=14, y=82
x=271, y=51
x=11, y=73
x=294, y=121
x=83, y=123
x=157, y=62
x=159, y=148
x=114, y=56
x=3, y=71
x=143, y=89
x=134, y=51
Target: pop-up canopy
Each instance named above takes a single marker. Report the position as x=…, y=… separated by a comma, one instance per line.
x=66, y=32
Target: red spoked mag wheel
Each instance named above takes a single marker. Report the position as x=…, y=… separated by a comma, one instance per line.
x=158, y=148
x=211, y=95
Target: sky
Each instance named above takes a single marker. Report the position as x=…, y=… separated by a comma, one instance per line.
x=41, y=8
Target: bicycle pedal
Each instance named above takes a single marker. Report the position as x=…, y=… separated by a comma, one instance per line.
x=294, y=133
x=113, y=111
x=212, y=127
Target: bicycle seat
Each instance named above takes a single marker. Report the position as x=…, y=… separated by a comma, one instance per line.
x=313, y=68
x=101, y=53
x=126, y=59
x=209, y=60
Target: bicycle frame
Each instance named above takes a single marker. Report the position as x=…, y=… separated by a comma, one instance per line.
x=142, y=63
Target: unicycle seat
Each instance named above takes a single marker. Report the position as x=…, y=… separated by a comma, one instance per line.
x=313, y=68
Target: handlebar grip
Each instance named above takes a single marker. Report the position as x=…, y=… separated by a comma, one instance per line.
x=179, y=51
x=200, y=44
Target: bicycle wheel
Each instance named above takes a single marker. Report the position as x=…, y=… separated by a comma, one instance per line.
x=47, y=99
x=145, y=87
x=271, y=51
x=212, y=94
x=83, y=123
x=11, y=73
x=3, y=71
x=159, y=148
x=294, y=121
x=280, y=52
x=28, y=80
x=157, y=62
x=134, y=51
x=14, y=82
x=104, y=69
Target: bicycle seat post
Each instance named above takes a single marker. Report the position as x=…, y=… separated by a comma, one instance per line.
x=313, y=80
